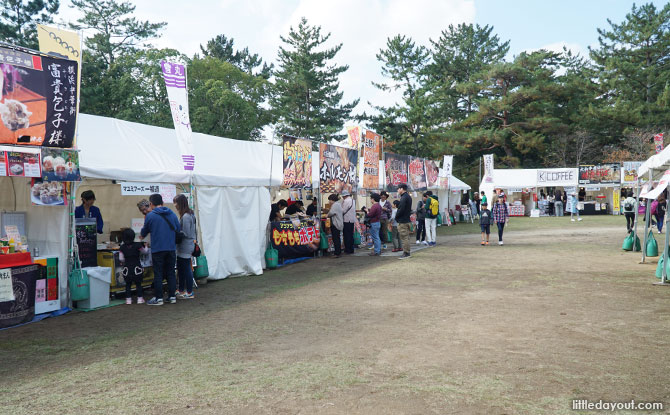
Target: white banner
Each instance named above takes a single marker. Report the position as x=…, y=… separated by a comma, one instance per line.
x=448, y=164
x=167, y=191
x=175, y=82
x=488, y=168
x=557, y=177
x=6, y=287
x=662, y=184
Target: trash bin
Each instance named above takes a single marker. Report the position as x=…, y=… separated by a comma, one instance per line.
x=99, y=280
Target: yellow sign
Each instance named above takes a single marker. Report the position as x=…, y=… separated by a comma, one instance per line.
x=615, y=201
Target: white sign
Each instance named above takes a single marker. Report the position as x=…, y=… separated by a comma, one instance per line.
x=175, y=84
x=488, y=168
x=167, y=191
x=447, y=165
x=515, y=190
x=557, y=177
x=662, y=184
x=136, y=224
x=6, y=288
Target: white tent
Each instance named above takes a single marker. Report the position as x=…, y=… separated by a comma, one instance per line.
x=230, y=178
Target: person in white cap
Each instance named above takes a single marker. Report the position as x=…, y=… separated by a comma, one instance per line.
x=349, y=215
x=574, y=209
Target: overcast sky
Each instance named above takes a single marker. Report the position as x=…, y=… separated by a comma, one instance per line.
x=363, y=26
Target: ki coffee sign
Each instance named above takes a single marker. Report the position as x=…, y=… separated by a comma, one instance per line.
x=557, y=177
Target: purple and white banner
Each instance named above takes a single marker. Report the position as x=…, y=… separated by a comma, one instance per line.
x=175, y=83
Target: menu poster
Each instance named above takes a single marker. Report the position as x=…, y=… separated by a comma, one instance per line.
x=6, y=288
x=59, y=165
x=3, y=163
x=23, y=164
x=87, y=241
x=43, y=193
x=12, y=232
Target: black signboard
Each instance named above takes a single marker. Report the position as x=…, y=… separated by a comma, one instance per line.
x=22, y=309
x=87, y=241
x=294, y=239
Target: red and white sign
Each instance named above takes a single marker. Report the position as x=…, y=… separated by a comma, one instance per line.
x=658, y=142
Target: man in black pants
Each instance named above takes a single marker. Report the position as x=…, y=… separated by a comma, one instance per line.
x=349, y=215
x=629, y=205
x=421, y=221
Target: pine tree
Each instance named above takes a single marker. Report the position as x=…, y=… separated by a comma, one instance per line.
x=221, y=48
x=19, y=19
x=307, y=97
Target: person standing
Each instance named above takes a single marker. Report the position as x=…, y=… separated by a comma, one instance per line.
x=185, y=247
x=349, y=218
x=374, y=216
x=395, y=236
x=477, y=204
x=386, y=216
x=484, y=199
x=629, y=205
x=402, y=216
x=336, y=223
x=500, y=217
x=485, y=220
x=558, y=203
x=432, y=208
x=660, y=213
x=421, y=221
x=87, y=210
x=574, y=207
x=163, y=226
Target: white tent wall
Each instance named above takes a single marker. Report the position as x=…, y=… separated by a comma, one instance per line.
x=47, y=225
x=233, y=221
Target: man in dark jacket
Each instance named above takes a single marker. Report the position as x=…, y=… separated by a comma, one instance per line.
x=163, y=226
x=402, y=217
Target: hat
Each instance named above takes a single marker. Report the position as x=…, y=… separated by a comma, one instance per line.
x=345, y=193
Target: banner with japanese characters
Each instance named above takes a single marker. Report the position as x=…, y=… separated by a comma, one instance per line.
x=417, y=174
x=175, y=83
x=337, y=169
x=448, y=165
x=488, y=168
x=167, y=191
x=38, y=99
x=397, y=167
x=629, y=175
x=354, y=136
x=297, y=163
x=432, y=174
x=294, y=238
x=371, y=160
x=600, y=174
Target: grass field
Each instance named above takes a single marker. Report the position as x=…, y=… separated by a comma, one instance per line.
x=558, y=313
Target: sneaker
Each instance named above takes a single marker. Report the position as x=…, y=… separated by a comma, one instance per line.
x=373, y=254
x=140, y=300
x=424, y=242
x=404, y=256
x=155, y=301
x=572, y=220
x=579, y=220
x=384, y=246
x=188, y=296
x=172, y=300
x=483, y=243
x=180, y=294
x=418, y=242
x=129, y=300
x=396, y=249
x=432, y=244
x=487, y=242
x=500, y=242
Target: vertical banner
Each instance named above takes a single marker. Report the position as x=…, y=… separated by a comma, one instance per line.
x=448, y=164
x=658, y=142
x=297, y=163
x=417, y=174
x=629, y=175
x=354, y=137
x=432, y=174
x=175, y=83
x=371, y=160
x=488, y=168
x=615, y=201
x=443, y=179
x=337, y=169
x=397, y=168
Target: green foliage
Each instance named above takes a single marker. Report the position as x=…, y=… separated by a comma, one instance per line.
x=222, y=48
x=307, y=97
x=19, y=19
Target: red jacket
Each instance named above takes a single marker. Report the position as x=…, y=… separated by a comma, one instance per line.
x=375, y=213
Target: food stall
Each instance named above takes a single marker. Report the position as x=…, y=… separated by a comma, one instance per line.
x=599, y=189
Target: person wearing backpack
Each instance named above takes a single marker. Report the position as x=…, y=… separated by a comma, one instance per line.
x=432, y=208
x=629, y=205
x=660, y=212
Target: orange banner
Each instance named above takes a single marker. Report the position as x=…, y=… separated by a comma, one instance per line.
x=371, y=160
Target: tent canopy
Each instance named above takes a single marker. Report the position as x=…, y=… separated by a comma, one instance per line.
x=659, y=163
x=457, y=184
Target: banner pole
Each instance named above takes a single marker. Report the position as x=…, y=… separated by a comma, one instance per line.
x=664, y=274
x=647, y=215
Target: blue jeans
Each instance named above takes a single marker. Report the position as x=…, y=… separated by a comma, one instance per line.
x=185, y=274
x=163, y=264
x=659, y=221
x=374, y=230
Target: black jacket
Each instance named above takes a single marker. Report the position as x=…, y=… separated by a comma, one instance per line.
x=405, y=209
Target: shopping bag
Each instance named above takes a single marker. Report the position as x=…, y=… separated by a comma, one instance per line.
x=201, y=269
x=357, y=238
x=652, y=246
x=628, y=243
x=271, y=257
x=439, y=219
x=323, y=242
x=79, y=285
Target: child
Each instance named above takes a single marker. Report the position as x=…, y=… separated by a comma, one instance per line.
x=129, y=256
x=485, y=219
x=395, y=235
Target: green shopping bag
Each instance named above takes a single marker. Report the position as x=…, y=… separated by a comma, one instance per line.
x=439, y=219
x=79, y=284
x=389, y=236
x=271, y=257
x=201, y=269
x=357, y=238
x=652, y=246
x=628, y=243
x=323, y=243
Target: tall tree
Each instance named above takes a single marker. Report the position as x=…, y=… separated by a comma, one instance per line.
x=19, y=19
x=404, y=124
x=307, y=99
x=222, y=48
x=633, y=59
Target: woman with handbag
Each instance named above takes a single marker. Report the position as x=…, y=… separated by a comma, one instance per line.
x=185, y=248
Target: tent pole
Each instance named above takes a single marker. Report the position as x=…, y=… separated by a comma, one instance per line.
x=664, y=273
x=647, y=215
x=637, y=209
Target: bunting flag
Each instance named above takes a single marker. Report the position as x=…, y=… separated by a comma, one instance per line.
x=175, y=83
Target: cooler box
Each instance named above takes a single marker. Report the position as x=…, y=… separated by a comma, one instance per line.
x=99, y=280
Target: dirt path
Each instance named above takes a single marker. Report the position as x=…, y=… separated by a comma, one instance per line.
x=554, y=315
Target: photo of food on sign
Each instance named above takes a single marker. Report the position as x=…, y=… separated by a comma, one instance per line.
x=337, y=170
x=417, y=174
x=432, y=173
x=23, y=164
x=60, y=165
x=44, y=193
